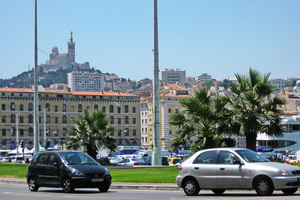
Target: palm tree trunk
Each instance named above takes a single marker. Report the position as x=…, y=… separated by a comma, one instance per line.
x=251, y=141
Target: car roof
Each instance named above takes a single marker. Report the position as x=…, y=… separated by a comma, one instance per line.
x=60, y=151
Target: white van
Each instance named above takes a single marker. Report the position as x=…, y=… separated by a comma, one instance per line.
x=143, y=153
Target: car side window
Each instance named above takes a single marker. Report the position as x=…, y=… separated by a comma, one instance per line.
x=52, y=159
x=208, y=157
x=42, y=159
x=226, y=157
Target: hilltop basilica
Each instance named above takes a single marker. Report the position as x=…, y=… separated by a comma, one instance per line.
x=63, y=61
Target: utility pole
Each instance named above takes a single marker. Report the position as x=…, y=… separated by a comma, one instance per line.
x=17, y=133
x=45, y=127
x=36, y=95
x=156, y=151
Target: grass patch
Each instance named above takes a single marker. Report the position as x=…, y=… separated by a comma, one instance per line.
x=134, y=175
x=145, y=175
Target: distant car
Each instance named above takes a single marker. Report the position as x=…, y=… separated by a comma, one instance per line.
x=66, y=169
x=17, y=159
x=114, y=160
x=164, y=160
x=132, y=161
x=173, y=161
x=223, y=169
x=5, y=159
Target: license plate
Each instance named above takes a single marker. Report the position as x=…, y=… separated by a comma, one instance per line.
x=97, y=179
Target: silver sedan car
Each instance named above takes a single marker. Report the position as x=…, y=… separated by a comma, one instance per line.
x=223, y=169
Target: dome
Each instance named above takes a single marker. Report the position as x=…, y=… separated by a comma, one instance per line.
x=55, y=50
x=298, y=84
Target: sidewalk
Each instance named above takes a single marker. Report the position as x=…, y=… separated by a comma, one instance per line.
x=115, y=185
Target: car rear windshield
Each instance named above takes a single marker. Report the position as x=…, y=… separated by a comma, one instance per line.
x=251, y=156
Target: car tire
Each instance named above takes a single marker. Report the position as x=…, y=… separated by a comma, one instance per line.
x=68, y=185
x=191, y=187
x=218, y=191
x=264, y=186
x=32, y=185
x=103, y=188
x=289, y=191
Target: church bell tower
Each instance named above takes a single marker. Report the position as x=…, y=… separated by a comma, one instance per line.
x=71, y=49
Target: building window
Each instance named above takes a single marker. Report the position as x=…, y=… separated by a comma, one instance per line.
x=133, y=110
x=21, y=132
x=56, y=120
x=170, y=110
x=170, y=132
x=134, y=132
x=104, y=109
x=134, y=120
x=30, y=118
x=126, y=109
x=47, y=106
x=95, y=107
x=111, y=108
x=3, y=132
x=3, y=119
x=111, y=120
x=12, y=106
x=30, y=106
x=48, y=119
x=119, y=120
x=21, y=107
x=119, y=133
x=126, y=120
x=112, y=134
x=30, y=131
x=126, y=132
x=119, y=109
x=56, y=108
x=21, y=119
x=79, y=108
x=12, y=118
x=64, y=131
x=3, y=107
x=64, y=121
x=64, y=108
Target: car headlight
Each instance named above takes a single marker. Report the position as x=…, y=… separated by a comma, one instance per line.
x=107, y=171
x=284, y=172
x=76, y=172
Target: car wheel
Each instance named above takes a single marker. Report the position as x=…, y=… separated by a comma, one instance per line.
x=264, y=187
x=32, y=185
x=289, y=191
x=218, y=191
x=67, y=185
x=103, y=188
x=191, y=187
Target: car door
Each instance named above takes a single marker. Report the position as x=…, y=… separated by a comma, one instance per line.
x=230, y=173
x=39, y=168
x=204, y=169
x=51, y=174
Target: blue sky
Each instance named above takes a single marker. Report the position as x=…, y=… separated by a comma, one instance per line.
x=218, y=37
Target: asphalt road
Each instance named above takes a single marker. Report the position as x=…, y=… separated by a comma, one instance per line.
x=20, y=191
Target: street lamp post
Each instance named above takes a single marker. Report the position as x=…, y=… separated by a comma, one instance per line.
x=36, y=96
x=156, y=152
x=17, y=132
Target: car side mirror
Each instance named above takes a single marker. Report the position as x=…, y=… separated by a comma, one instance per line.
x=237, y=162
x=55, y=164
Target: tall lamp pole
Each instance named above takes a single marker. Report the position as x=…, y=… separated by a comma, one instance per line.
x=36, y=96
x=156, y=151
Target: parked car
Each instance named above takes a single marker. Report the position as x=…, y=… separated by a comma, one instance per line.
x=66, y=169
x=132, y=161
x=173, y=161
x=114, y=160
x=17, y=159
x=164, y=160
x=223, y=169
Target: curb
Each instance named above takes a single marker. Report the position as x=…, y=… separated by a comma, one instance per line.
x=136, y=186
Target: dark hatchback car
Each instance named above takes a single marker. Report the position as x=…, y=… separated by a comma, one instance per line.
x=68, y=170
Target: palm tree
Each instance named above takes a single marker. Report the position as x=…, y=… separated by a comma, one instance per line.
x=255, y=109
x=201, y=121
x=91, y=133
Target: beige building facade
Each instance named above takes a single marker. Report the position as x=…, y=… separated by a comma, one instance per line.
x=58, y=109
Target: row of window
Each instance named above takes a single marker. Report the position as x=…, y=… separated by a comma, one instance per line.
x=56, y=132
x=64, y=108
x=56, y=119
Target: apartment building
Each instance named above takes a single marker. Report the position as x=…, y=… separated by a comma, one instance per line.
x=58, y=109
x=86, y=81
x=174, y=76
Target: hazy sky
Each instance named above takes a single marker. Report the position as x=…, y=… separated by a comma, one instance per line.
x=218, y=37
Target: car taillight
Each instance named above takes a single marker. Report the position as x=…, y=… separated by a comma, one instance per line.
x=173, y=161
x=135, y=163
x=179, y=168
